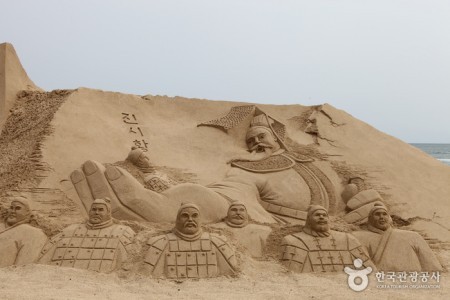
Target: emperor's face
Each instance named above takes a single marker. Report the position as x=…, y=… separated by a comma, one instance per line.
x=17, y=212
x=260, y=139
x=318, y=221
x=188, y=221
x=380, y=219
x=237, y=214
x=99, y=213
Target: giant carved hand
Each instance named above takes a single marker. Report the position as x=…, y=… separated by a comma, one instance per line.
x=131, y=201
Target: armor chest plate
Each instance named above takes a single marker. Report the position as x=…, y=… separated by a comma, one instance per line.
x=321, y=254
x=196, y=259
x=83, y=248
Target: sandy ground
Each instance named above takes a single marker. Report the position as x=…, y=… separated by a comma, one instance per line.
x=260, y=280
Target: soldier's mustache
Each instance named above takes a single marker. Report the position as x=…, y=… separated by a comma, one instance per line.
x=238, y=216
x=190, y=223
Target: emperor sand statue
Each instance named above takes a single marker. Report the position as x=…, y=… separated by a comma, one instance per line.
x=97, y=245
x=394, y=249
x=188, y=252
x=20, y=243
x=318, y=249
x=276, y=185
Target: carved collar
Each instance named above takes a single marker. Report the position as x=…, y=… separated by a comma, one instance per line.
x=314, y=233
x=235, y=225
x=105, y=224
x=188, y=237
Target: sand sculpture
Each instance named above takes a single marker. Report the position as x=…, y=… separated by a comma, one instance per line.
x=276, y=185
x=237, y=216
x=20, y=243
x=253, y=237
x=359, y=200
x=394, y=249
x=319, y=249
x=153, y=180
x=97, y=245
x=188, y=252
x=312, y=157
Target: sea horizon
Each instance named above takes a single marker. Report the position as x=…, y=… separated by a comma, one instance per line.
x=440, y=151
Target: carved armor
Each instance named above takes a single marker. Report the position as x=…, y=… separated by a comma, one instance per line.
x=302, y=252
x=173, y=257
x=100, y=250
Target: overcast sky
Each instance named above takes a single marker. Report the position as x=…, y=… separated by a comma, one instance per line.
x=385, y=62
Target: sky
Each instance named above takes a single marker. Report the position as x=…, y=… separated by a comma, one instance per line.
x=386, y=62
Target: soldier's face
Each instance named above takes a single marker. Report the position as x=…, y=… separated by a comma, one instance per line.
x=98, y=213
x=188, y=221
x=237, y=214
x=318, y=221
x=380, y=219
x=17, y=212
x=259, y=139
x=143, y=161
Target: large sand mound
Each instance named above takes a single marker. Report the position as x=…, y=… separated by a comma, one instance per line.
x=50, y=134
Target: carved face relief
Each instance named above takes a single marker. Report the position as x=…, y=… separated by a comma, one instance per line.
x=380, y=219
x=318, y=221
x=188, y=221
x=237, y=214
x=259, y=139
x=98, y=213
x=143, y=161
x=17, y=212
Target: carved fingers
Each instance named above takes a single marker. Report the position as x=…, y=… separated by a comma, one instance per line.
x=91, y=181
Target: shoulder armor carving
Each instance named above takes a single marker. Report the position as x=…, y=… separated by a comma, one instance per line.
x=225, y=249
x=157, y=246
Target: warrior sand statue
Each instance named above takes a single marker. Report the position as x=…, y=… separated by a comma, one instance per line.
x=98, y=245
x=319, y=249
x=188, y=252
x=275, y=185
x=252, y=236
x=20, y=243
x=394, y=249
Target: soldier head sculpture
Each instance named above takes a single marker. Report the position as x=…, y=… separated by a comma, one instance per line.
x=187, y=225
x=20, y=242
x=317, y=221
x=379, y=217
x=319, y=249
x=139, y=159
x=237, y=215
x=97, y=245
x=188, y=252
x=19, y=212
x=394, y=249
x=100, y=214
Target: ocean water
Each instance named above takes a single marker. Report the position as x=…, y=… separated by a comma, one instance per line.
x=438, y=151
